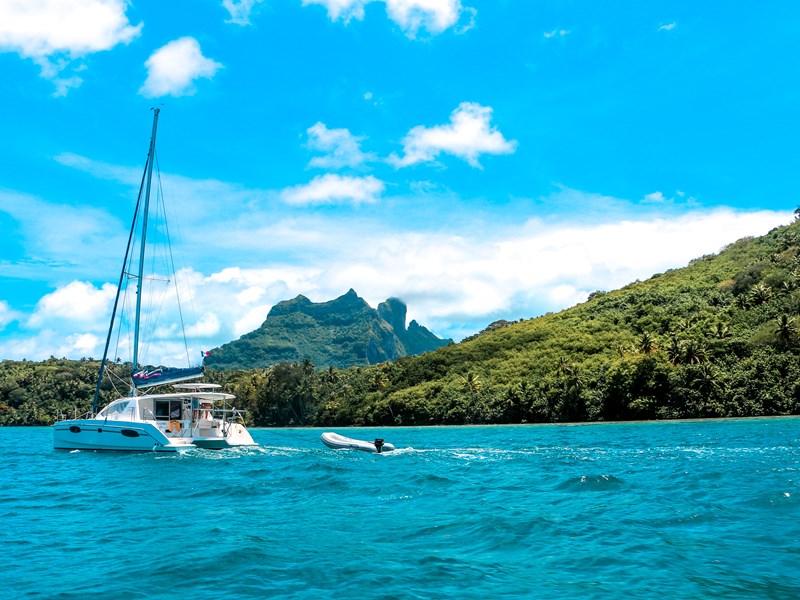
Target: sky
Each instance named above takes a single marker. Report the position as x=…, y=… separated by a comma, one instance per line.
x=479, y=159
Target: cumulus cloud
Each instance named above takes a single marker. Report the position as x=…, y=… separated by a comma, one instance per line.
x=335, y=189
x=434, y=16
x=173, y=69
x=340, y=147
x=78, y=301
x=54, y=33
x=468, y=135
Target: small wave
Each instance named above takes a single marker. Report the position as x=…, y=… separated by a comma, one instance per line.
x=431, y=479
x=597, y=483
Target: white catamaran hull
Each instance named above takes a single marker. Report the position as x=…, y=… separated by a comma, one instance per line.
x=231, y=436
x=99, y=434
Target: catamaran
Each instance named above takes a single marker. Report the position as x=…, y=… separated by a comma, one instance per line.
x=192, y=415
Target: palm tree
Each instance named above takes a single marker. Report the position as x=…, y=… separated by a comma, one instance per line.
x=786, y=328
x=575, y=381
x=380, y=381
x=675, y=351
x=706, y=379
x=720, y=330
x=742, y=302
x=564, y=368
x=694, y=353
x=759, y=294
x=647, y=343
x=331, y=376
x=472, y=383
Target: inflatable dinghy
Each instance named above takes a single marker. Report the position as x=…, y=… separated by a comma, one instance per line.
x=338, y=442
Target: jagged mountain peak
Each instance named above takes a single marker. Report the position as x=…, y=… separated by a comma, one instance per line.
x=342, y=332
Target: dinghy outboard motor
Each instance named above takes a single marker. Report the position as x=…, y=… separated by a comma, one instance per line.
x=378, y=444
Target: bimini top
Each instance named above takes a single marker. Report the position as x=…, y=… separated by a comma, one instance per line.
x=202, y=396
x=151, y=377
x=197, y=386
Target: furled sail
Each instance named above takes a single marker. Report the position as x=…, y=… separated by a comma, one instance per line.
x=162, y=375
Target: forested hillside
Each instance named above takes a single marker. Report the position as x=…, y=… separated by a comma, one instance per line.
x=717, y=338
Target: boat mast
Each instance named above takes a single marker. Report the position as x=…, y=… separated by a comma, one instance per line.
x=140, y=276
x=122, y=274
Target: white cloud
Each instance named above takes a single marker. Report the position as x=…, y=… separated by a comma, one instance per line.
x=76, y=302
x=556, y=33
x=6, y=314
x=435, y=16
x=468, y=135
x=335, y=189
x=668, y=27
x=654, y=198
x=341, y=148
x=83, y=344
x=240, y=10
x=42, y=28
x=172, y=69
x=207, y=325
x=342, y=9
x=101, y=170
x=54, y=33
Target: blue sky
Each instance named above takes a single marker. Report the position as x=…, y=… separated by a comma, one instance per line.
x=478, y=159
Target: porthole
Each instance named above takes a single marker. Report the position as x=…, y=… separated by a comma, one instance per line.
x=130, y=433
x=75, y=429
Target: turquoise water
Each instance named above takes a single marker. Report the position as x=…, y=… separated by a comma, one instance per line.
x=642, y=510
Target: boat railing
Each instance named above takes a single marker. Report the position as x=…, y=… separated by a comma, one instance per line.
x=62, y=416
x=226, y=414
x=145, y=412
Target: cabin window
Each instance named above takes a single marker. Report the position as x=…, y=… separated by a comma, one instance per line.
x=118, y=408
x=167, y=410
x=113, y=409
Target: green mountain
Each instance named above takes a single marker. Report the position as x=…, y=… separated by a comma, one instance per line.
x=340, y=333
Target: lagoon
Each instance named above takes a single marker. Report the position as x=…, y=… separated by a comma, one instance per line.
x=680, y=509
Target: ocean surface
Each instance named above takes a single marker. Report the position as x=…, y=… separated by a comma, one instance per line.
x=693, y=509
